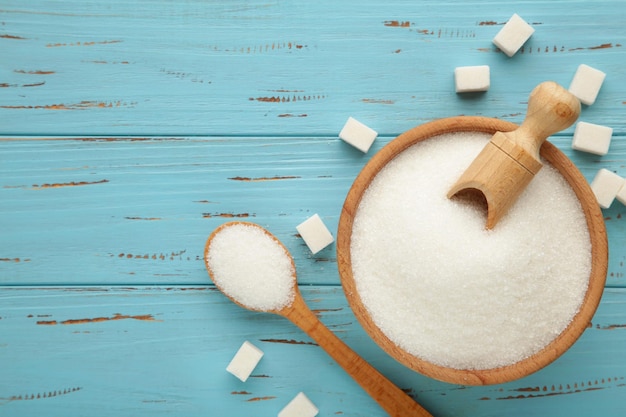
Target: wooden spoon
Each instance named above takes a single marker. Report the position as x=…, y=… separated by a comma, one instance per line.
x=391, y=398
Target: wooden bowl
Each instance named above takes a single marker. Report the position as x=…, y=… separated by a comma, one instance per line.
x=595, y=224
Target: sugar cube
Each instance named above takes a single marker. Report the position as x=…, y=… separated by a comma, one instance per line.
x=605, y=186
x=244, y=361
x=621, y=194
x=586, y=84
x=592, y=138
x=471, y=78
x=299, y=406
x=358, y=135
x=315, y=233
x=513, y=35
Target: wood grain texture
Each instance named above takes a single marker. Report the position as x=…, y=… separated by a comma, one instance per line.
x=130, y=130
x=163, y=196
x=175, y=362
x=154, y=67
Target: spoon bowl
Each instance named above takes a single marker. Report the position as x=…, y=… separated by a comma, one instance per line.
x=293, y=307
x=288, y=280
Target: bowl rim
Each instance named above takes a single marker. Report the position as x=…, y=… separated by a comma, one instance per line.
x=595, y=225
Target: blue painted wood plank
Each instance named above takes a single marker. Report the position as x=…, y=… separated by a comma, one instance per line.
x=162, y=350
x=283, y=68
x=139, y=211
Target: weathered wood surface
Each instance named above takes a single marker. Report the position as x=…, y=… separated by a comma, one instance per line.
x=250, y=67
x=130, y=130
x=160, y=350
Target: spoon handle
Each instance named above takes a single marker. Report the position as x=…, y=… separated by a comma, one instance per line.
x=551, y=108
x=391, y=398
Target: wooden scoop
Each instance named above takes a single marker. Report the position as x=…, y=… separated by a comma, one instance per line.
x=391, y=398
x=510, y=160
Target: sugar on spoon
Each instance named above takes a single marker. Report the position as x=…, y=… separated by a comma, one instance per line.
x=255, y=270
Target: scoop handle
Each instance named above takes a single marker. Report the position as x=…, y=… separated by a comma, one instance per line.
x=551, y=108
x=391, y=398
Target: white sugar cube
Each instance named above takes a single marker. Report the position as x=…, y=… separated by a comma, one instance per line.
x=621, y=194
x=315, y=233
x=300, y=406
x=513, y=35
x=358, y=135
x=244, y=361
x=592, y=138
x=586, y=84
x=605, y=186
x=471, y=78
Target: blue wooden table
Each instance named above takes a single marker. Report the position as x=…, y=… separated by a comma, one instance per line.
x=129, y=130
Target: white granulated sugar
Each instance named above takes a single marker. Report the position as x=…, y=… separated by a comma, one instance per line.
x=251, y=267
x=447, y=290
